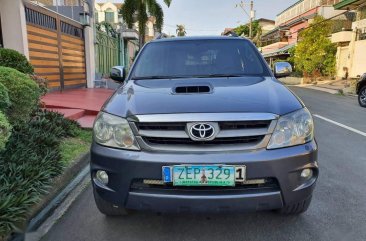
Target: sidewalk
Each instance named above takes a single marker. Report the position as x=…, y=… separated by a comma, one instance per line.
x=81, y=105
x=332, y=86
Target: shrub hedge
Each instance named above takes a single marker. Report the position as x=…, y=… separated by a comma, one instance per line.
x=5, y=130
x=41, y=82
x=4, y=98
x=23, y=94
x=28, y=164
x=13, y=59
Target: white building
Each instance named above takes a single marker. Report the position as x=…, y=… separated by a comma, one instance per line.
x=109, y=12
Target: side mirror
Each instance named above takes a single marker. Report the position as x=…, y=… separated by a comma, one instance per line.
x=118, y=73
x=282, y=69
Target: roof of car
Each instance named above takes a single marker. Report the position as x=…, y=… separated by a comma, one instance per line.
x=197, y=38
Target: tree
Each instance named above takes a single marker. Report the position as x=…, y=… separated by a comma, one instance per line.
x=181, y=31
x=315, y=54
x=108, y=28
x=139, y=10
x=243, y=30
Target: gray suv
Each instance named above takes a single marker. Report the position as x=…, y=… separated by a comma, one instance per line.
x=203, y=125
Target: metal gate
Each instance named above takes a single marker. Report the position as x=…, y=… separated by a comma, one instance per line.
x=56, y=47
x=109, y=52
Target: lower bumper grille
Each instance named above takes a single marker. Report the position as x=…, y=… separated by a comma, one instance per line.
x=139, y=184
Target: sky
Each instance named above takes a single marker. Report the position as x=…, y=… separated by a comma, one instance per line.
x=211, y=17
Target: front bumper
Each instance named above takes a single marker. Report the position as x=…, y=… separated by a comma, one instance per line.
x=283, y=165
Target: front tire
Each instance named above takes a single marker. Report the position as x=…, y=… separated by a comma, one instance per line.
x=107, y=208
x=362, y=97
x=296, y=208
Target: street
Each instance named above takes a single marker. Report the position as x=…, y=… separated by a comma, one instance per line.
x=338, y=210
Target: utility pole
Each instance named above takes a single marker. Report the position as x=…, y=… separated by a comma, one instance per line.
x=251, y=19
x=250, y=15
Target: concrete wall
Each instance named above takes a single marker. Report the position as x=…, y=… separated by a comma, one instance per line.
x=14, y=26
x=343, y=36
x=343, y=61
x=359, y=59
x=294, y=30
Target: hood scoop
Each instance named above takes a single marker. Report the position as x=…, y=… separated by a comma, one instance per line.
x=192, y=89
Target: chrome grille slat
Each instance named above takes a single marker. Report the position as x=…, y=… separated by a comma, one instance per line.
x=199, y=117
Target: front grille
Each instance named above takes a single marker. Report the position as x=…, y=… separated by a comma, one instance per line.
x=171, y=132
x=179, y=126
x=217, y=141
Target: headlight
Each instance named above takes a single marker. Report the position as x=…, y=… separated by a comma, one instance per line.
x=114, y=131
x=293, y=129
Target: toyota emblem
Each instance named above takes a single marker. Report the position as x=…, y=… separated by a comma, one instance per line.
x=202, y=131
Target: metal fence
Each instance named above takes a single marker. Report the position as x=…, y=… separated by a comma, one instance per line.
x=56, y=47
x=109, y=52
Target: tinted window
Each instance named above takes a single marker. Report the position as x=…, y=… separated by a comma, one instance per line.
x=199, y=58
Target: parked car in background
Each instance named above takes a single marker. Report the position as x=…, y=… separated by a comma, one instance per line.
x=203, y=125
x=361, y=90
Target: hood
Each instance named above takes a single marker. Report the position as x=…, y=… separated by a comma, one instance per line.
x=237, y=94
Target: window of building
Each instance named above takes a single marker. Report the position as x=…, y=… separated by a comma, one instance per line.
x=109, y=16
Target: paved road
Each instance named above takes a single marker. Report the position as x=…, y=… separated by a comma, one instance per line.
x=338, y=210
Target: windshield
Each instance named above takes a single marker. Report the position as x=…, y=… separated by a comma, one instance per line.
x=199, y=58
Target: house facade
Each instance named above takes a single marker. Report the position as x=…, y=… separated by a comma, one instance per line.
x=351, y=42
x=109, y=12
x=266, y=25
x=290, y=22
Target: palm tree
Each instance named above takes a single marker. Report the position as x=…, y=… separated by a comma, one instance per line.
x=181, y=30
x=139, y=10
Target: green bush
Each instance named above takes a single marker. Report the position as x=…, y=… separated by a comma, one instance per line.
x=5, y=130
x=23, y=94
x=56, y=122
x=4, y=98
x=28, y=164
x=13, y=59
x=41, y=82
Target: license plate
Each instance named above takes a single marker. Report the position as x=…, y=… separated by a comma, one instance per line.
x=204, y=175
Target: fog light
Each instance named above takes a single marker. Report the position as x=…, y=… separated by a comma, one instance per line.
x=307, y=173
x=102, y=176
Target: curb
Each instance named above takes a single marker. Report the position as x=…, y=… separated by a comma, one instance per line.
x=330, y=91
x=61, y=188
x=61, y=208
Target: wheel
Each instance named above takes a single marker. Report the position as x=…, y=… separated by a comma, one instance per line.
x=107, y=208
x=362, y=97
x=296, y=208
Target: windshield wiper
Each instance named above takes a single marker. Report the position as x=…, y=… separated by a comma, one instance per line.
x=158, y=77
